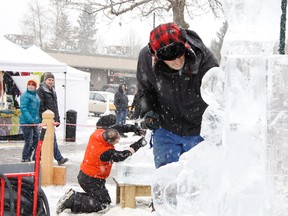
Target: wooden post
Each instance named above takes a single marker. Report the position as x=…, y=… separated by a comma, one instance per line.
x=59, y=175
x=47, y=153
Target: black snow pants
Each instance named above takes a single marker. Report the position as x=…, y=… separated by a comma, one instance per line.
x=96, y=197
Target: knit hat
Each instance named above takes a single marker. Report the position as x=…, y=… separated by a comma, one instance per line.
x=48, y=75
x=168, y=41
x=33, y=82
x=106, y=121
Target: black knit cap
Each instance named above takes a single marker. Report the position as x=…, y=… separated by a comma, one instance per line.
x=106, y=121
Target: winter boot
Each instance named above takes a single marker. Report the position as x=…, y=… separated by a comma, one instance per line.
x=65, y=202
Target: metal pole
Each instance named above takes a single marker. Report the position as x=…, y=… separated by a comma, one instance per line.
x=65, y=92
x=154, y=20
x=282, y=27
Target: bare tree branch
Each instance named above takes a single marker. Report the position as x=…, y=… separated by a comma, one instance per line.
x=178, y=8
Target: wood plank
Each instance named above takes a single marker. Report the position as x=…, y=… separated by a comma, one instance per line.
x=59, y=175
x=143, y=190
x=128, y=194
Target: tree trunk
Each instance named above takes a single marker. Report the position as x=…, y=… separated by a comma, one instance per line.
x=178, y=13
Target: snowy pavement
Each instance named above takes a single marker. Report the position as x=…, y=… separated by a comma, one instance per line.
x=10, y=152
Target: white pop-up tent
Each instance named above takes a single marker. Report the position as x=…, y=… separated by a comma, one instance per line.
x=72, y=88
x=16, y=59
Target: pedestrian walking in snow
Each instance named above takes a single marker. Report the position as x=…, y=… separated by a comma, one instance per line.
x=169, y=74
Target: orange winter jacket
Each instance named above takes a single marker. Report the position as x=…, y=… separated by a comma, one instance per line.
x=91, y=164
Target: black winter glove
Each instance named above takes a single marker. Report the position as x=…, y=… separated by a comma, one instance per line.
x=139, y=131
x=151, y=120
x=140, y=143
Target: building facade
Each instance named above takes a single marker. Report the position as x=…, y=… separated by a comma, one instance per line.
x=104, y=69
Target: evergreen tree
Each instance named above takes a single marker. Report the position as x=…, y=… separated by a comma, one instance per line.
x=63, y=30
x=63, y=34
x=217, y=43
x=87, y=30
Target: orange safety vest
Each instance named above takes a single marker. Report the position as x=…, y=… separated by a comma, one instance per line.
x=91, y=164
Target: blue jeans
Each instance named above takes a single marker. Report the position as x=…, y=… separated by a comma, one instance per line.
x=57, y=153
x=31, y=137
x=121, y=117
x=167, y=146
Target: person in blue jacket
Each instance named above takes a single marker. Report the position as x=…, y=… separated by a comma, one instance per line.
x=29, y=118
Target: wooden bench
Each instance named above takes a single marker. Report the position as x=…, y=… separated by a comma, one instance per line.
x=127, y=193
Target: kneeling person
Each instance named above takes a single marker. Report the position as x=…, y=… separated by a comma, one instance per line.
x=94, y=170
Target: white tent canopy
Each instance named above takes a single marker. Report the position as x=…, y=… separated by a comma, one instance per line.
x=76, y=94
x=15, y=58
x=72, y=86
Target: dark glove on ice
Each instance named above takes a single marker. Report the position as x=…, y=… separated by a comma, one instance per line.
x=151, y=120
x=140, y=143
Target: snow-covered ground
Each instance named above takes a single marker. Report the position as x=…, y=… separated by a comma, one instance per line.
x=75, y=151
x=82, y=137
x=55, y=192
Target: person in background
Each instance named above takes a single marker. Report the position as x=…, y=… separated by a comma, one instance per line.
x=95, y=168
x=169, y=74
x=29, y=107
x=110, y=89
x=48, y=98
x=121, y=105
x=11, y=89
x=135, y=107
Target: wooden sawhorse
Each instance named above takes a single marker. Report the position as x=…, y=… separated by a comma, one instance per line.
x=127, y=193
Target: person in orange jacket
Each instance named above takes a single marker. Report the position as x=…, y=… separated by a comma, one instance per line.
x=96, y=167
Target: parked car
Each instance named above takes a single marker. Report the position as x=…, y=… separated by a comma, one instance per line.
x=110, y=88
x=114, y=88
x=101, y=102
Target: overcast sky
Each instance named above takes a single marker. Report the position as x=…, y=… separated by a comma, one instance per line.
x=11, y=12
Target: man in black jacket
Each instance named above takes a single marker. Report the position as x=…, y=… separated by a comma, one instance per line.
x=121, y=105
x=135, y=107
x=169, y=74
x=48, y=97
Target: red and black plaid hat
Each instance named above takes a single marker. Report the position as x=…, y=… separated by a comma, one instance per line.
x=166, y=35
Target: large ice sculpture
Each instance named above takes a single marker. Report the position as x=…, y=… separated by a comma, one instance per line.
x=244, y=172
x=184, y=188
x=246, y=53
x=277, y=136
